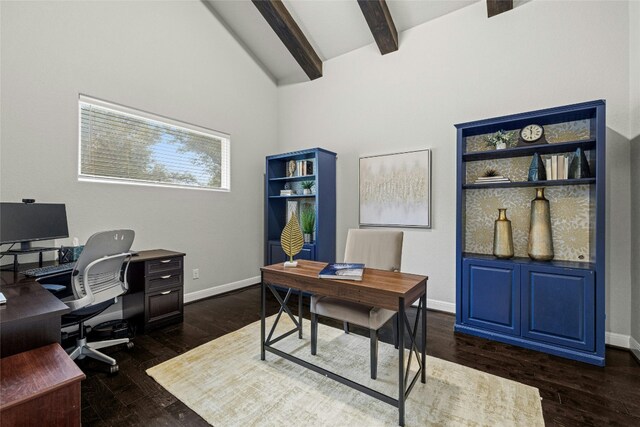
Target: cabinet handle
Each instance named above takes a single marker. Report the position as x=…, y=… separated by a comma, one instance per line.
x=164, y=261
x=165, y=277
x=165, y=292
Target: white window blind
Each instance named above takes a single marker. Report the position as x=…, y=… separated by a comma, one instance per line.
x=120, y=144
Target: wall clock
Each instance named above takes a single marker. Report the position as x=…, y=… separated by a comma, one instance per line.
x=532, y=134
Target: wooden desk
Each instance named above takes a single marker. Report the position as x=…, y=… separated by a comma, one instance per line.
x=31, y=316
x=378, y=288
x=39, y=387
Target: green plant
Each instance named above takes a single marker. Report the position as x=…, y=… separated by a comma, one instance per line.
x=498, y=138
x=307, y=185
x=490, y=172
x=308, y=219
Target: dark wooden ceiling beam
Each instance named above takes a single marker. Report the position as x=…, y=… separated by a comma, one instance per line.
x=280, y=20
x=381, y=24
x=496, y=7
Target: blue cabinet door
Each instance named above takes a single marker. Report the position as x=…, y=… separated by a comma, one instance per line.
x=558, y=306
x=277, y=255
x=491, y=295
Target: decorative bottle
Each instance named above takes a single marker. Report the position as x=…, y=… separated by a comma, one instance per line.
x=540, y=241
x=502, y=236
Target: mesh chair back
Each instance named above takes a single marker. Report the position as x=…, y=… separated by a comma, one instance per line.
x=111, y=249
x=381, y=249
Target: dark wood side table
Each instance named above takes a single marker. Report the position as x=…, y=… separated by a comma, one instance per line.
x=40, y=386
x=156, y=282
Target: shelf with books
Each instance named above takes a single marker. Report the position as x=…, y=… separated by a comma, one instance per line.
x=294, y=178
x=523, y=301
x=313, y=171
x=515, y=184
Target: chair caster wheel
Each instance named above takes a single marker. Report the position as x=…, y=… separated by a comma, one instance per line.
x=129, y=345
x=113, y=369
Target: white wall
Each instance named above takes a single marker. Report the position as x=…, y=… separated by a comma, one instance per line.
x=464, y=67
x=635, y=249
x=634, y=123
x=170, y=58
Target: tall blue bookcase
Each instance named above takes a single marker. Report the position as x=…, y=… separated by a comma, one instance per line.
x=557, y=306
x=319, y=166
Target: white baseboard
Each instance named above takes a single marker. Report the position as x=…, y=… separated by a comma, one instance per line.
x=617, y=340
x=635, y=347
x=220, y=289
x=448, y=307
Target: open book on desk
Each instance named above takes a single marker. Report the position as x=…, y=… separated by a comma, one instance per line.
x=342, y=271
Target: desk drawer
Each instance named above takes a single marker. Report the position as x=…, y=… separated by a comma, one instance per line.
x=159, y=266
x=170, y=279
x=163, y=306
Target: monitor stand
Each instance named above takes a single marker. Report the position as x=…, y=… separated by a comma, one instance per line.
x=25, y=248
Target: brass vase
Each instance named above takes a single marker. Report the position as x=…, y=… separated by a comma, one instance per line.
x=540, y=241
x=502, y=236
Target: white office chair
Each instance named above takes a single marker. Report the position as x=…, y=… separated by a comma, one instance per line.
x=97, y=281
x=380, y=249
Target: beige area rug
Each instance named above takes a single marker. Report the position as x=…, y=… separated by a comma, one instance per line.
x=227, y=384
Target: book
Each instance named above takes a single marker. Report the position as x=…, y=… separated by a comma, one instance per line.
x=560, y=172
x=342, y=271
x=286, y=192
x=554, y=167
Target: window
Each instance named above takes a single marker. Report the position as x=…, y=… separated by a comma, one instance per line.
x=120, y=144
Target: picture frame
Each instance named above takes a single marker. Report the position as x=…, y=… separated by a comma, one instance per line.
x=395, y=190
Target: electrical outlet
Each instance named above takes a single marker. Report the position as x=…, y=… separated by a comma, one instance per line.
x=196, y=273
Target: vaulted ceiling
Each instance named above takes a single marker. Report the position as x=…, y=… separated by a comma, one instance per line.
x=331, y=27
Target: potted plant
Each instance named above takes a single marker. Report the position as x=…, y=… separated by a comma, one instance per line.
x=306, y=186
x=308, y=222
x=499, y=140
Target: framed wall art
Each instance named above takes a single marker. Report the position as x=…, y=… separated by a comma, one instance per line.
x=395, y=190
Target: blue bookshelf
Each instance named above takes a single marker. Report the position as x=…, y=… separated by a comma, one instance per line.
x=322, y=200
x=557, y=307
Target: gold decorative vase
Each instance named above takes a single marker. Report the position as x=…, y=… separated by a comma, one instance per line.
x=540, y=241
x=502, y=236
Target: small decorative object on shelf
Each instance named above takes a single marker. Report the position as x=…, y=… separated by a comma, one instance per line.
x=540, y=241
x=502, y=236
x=308, y=220
x=537, y=171
x=291, y=168
x=306, y=187
x=499, y=140
x=491, y=176
x=291, y=240
x=579, y=166
x=532, y=134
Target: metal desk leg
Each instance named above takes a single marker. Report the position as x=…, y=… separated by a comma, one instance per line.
x=263, y=314
x=300, y=313
x=423, y=377
x=401, y=387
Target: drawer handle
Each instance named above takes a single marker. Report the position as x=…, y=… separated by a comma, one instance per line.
x=165, y=292
x=164, y=261
x=165, y=277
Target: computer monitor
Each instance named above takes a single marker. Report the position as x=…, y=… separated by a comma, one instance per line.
x=28, y=222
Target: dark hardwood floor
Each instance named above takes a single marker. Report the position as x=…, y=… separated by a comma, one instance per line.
x=573, y=393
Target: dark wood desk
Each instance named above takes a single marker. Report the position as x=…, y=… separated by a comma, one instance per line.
x=39, y=387
x=378, y=288
x=31, y=316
